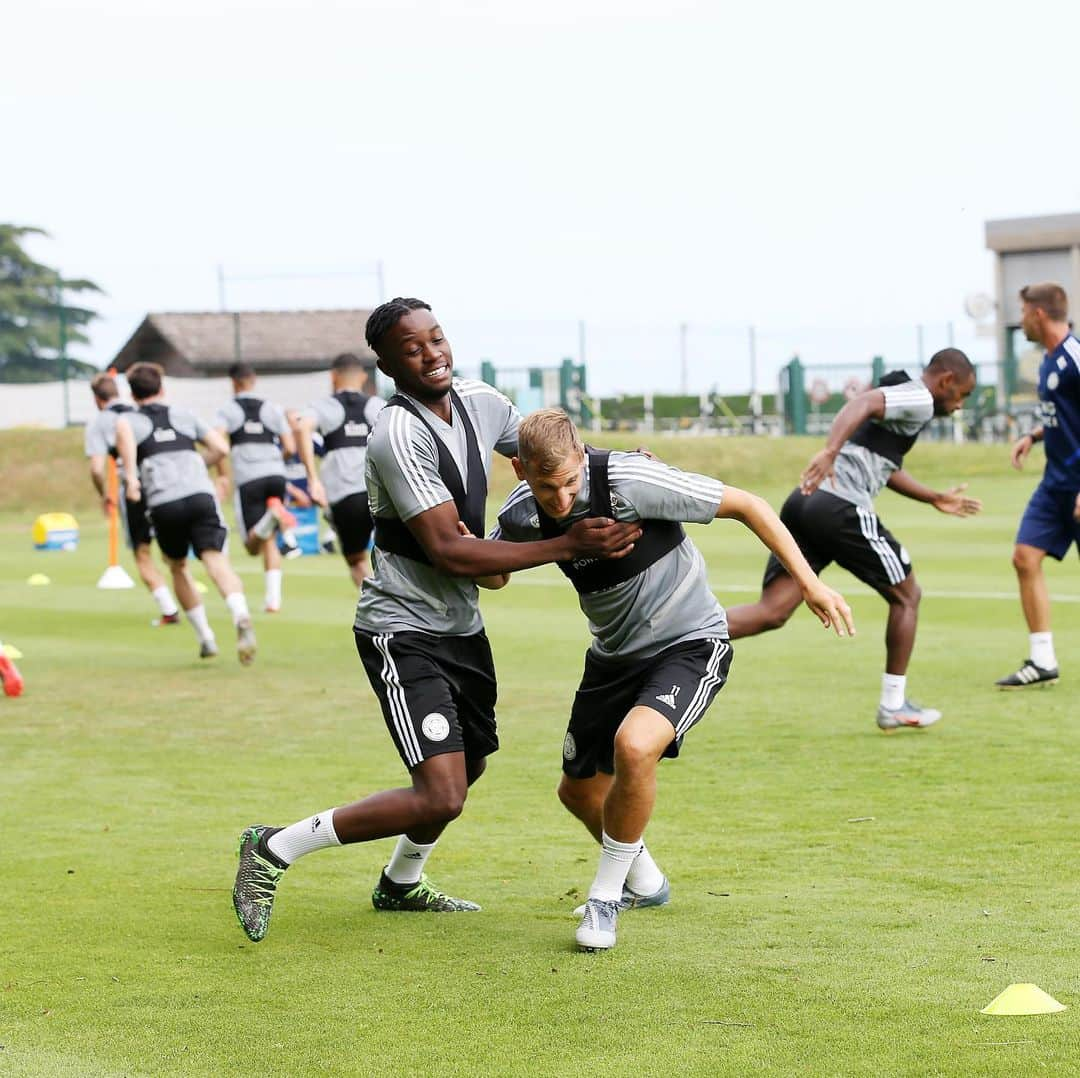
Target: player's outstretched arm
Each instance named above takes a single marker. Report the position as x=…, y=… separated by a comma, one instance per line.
x=436, y=530
x=952, y=501
x=867, y=405
x=493, y=582
x=1022, y=446
x=828, y=605
x=223, y=485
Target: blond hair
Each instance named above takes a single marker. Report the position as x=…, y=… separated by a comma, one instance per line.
x=103, y=386
x=546, y=438
x=1049, y=297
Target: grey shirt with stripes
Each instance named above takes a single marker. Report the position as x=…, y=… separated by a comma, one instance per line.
x=403, y=481
x=860, y=473
x=253, y=460
x=671, y=601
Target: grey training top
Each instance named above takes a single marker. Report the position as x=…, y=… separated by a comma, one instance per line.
x=403, y=481
x=100, y=436
x=860, y=472
x=168, y=477
x=342, y=470
x=253, y=460
x=671, y=601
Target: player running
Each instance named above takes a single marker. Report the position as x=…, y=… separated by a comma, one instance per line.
x=1051, y=521
x=157, y=447
x=100, y=444
x=831, y=515
x=258, y=435
x=418, y=627
x=660, y=650
x=345, y=421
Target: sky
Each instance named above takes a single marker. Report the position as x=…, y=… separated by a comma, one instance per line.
x=821, y=172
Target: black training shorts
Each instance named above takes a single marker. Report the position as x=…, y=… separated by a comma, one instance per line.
x=251, y=499
x=437, y=693
x=351, y=518
x=136, y=522
x=680, y=682
x=188, y=523
x=830, y=529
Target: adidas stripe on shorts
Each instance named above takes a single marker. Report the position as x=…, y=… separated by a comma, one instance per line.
x=680, y=682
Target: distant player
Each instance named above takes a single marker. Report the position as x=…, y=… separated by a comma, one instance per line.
x=100, y=445
x=831, y=514
x=345, y=421
x=418, y=627
x=10, y=677
x=157, y=444
x=258, y=435
x=660, y=650
x=1051, y=522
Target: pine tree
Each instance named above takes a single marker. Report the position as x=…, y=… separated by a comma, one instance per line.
x=30, y=313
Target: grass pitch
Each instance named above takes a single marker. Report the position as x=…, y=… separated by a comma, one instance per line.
x=843, y=902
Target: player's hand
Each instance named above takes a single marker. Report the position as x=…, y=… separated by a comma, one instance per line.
x=106, y=505
x=317, y=492
x=132, y=489
x=494, y=581
x=1076, y=508
x=297, y=496
x=953, y=502
x=830, y=608
x=1020, y=449
x=817, y=471
x=602, y=537
x=646, y=453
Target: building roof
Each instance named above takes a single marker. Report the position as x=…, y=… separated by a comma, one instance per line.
x=192, y=344
x=1033, y=233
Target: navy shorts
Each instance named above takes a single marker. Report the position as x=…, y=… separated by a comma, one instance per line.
x=1048, y=522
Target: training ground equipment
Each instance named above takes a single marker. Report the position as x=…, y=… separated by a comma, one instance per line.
x=56, y=531
x=1023, y=999
x=114, y=577
x=38, y=580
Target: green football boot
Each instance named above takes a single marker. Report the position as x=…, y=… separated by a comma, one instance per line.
x=257, y=877
x=419, y=897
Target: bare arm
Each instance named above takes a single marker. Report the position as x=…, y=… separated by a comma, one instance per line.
x=756, y=513
x=217, y=447
x=868, y=405
x=950, y=501
x=305, y=448
x=125, y=447
x=1022, y=446
x=97, y=473
x=436, y=530
x=224, y=470
x=288, y=443
x=493, y=582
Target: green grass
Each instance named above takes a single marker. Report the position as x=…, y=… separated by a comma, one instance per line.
x=797, y=941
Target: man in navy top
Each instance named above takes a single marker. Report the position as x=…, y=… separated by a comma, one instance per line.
x=1051, y=522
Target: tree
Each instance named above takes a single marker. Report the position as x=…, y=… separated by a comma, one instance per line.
x=32, y=321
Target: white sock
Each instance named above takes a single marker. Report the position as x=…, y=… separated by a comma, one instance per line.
x=238, y=607
x=615, y=861
x=407, y=864
x=1042, y=650
x=892, y=690
x=197, y=616
x=165, y=601
x=305, y=836
x=644, y=877
x=265, y=525
x=273, y=588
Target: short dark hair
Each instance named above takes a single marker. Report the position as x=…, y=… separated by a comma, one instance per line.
x=387, y=315
x=952, y=359
x=103, y=386
x=144, y=380
x=347, y=361
x=1049, y=297
x=241, y=371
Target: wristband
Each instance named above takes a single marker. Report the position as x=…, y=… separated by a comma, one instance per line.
x=1034, y=440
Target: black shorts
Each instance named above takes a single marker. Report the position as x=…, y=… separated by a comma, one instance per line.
x=351, y=518
x=188, y=523
x=251, y=499
x=829, y=529
x=680, y=682
x=136, y=522
x=437, y=693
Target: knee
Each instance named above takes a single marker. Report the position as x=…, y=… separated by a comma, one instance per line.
x=774, y=617
x=444, y=804
x=633, y=753
x=572, y=795
x=1025, y=560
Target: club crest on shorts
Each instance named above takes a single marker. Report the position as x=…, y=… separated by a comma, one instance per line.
x=569, y=747
x=435, y=727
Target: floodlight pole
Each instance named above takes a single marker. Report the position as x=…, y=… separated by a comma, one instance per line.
x=62, y=319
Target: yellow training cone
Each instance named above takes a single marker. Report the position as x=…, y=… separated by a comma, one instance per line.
x=200, y=587
x=11, y=651
x=1023, y=999
x=37, y=580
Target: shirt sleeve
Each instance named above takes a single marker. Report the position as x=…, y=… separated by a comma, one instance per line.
x=909, y=402
x=372, y=409
x=657, y=491
x=517, y=521
x=507, y=442
x=273, y=417
x=327, y=413
x=223, y=420
x=96, y=441
x=407, y=465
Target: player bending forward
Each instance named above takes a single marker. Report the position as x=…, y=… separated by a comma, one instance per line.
x=660, y=650
x=831, y=514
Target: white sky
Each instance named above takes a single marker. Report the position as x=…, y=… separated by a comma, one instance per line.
x=821, y=170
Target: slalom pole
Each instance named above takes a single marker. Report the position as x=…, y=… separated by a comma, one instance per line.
x=115, y=576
